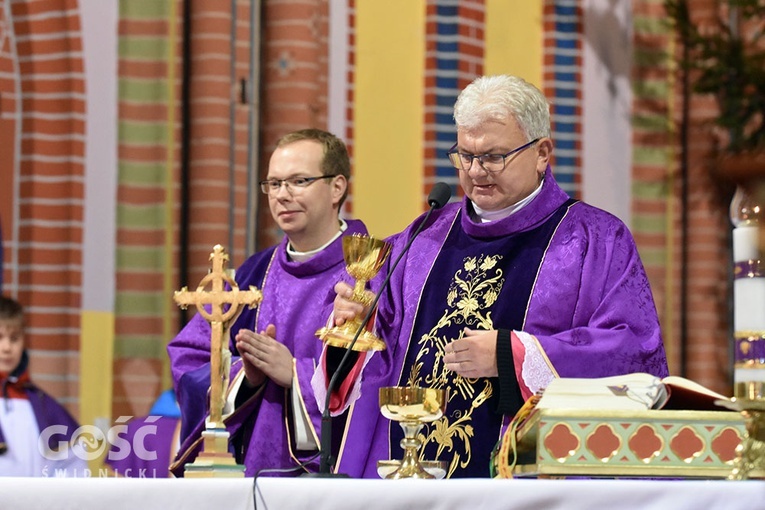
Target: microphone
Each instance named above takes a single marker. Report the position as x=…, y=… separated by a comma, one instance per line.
x=437, y=198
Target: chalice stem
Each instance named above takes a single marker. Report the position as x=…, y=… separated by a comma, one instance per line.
x=410, y=465
x=359, y=292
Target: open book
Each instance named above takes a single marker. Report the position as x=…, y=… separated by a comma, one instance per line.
x=637, y=391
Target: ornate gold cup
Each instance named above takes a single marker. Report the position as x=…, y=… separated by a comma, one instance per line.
x=364, y=256
x=412, y=407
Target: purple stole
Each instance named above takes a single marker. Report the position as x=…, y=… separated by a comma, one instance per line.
x=490, y=290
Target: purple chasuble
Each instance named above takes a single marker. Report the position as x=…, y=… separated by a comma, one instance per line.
x=590, y=308
x=144, y=447
x=296, y=299
x=490, y=290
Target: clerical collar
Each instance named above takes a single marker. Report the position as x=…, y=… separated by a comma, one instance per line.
x=302, y=256
x=487, y=216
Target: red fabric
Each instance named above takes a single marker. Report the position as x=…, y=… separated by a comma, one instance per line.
x=16, y=389
x=338, y=398
x=519, y=353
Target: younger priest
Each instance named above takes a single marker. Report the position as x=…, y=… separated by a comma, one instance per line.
x=272, y=413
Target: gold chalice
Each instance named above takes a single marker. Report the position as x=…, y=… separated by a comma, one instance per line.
x=412, y=406
x=364, y=256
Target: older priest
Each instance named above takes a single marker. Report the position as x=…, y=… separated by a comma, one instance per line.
x=500, y=293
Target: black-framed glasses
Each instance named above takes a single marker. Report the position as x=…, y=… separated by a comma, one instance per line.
x=272, y=186
x=489, y=162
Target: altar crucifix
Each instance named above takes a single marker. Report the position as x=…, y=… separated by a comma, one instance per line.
x=220, y=307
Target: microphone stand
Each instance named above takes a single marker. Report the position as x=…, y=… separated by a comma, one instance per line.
x=437, y=198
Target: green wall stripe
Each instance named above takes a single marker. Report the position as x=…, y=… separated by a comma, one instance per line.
x=142, y=174
x=148, y=347
x=140, y=303
x=141, y=215
x=143, y=258
x=148, y=133
x=649, y=223
x=652, y=156
x=653, y=257
x=143, y=9
x=646, y=190
x=142, y=91
x=142, y=48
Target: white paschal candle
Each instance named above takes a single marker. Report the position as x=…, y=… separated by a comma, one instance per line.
x=748, y=301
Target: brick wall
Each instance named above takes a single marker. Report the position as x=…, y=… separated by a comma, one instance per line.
x=43, y=236
x=294, y=82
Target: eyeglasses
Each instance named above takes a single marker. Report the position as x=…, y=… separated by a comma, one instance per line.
x=489, y=162
x=272, y=186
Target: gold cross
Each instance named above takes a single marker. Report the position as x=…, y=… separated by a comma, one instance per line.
x=225, y=306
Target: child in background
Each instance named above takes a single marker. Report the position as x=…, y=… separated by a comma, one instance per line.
x=28, y=447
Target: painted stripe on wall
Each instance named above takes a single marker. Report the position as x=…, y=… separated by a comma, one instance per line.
x=454, y=57
x=388, y=113
x=514, y=39
x=562, y=86
x=141, y=207
x=652, y=171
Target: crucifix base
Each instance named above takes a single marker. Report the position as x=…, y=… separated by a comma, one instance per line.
x=215, y=461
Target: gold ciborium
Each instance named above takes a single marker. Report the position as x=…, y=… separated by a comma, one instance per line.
x=412, y=407
x=364, y=256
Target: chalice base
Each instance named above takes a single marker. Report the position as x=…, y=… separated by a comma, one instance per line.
x=342, y=336
x=393, y=469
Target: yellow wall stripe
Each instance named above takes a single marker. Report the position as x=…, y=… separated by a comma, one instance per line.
x=514, y=39
x=167, y=324
x=388, y=114
x=96, y=381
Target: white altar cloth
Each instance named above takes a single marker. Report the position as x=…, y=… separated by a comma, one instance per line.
x=125, y=494
x=346, y=494
x=521, y=494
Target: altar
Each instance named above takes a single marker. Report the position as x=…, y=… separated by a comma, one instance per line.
x=342, y=494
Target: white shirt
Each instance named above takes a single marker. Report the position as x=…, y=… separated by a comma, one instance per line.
x=22, y=436
x=487, y=216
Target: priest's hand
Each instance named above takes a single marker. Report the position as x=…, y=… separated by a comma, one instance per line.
x=345, y=308
x=473, y=355
x=263, y=356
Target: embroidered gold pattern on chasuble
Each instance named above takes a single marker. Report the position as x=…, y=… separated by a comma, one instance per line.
x=473, y=290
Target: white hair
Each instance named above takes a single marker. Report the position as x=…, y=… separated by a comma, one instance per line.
x=499, y=98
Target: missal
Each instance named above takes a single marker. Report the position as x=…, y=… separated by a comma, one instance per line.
x=636, y=391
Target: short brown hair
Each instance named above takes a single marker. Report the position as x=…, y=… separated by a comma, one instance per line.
x=10, y=309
